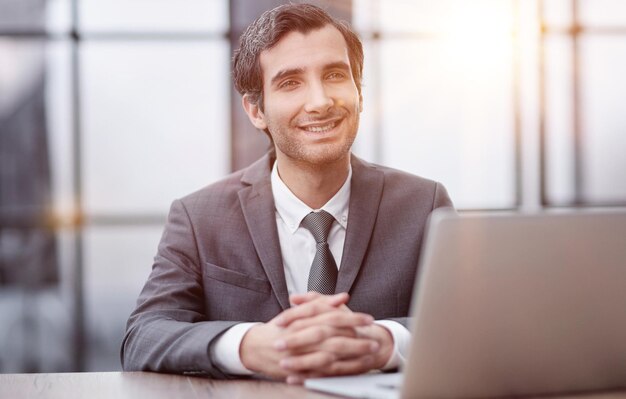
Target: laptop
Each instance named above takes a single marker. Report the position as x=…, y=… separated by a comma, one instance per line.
x=511, y=305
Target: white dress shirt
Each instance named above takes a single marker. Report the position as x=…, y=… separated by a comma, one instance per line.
x=298, y=249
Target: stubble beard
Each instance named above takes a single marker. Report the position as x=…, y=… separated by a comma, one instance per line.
x=287, y=140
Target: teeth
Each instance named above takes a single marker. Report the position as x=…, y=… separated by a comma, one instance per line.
x=320, y=129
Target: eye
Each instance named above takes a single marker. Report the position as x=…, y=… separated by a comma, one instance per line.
x=288, y=84
x=336, y=76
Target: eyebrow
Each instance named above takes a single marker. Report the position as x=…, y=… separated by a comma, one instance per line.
x=286, y=72
x=297, y=71
x=338, y=65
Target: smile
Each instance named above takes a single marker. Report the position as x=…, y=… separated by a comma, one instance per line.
x=321, y=128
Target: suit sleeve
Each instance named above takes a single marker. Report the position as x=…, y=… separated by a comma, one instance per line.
x=168, y=330
x=441, y=199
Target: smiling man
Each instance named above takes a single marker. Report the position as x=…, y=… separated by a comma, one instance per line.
x=303, y=263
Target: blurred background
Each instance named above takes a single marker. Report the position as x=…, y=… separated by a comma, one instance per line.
x=111, y=109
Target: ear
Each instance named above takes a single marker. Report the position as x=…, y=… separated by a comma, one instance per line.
x=254, y=113
x=360, y=102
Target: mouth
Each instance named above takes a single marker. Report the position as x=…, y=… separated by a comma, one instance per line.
x=322, y=127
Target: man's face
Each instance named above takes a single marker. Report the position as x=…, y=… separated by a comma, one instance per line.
x=311, y=103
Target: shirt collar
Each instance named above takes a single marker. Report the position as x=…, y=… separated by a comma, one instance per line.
x=292, y=210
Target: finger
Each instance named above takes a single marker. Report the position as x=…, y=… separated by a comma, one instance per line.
x=308, y=362
x=349, y=348
x=311, y=336
x=319, y=305
x=296, y=379
x=298, y=299
x=343, y=347
x=359, y=365
x=336, y=318
x=340, y=367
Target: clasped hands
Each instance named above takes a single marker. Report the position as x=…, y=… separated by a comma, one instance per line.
x=319, y=336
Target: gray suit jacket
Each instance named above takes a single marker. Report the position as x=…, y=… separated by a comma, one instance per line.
x=219, y=262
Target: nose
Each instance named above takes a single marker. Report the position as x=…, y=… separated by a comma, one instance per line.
x=318, y=99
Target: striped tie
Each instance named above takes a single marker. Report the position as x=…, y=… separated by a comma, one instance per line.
x=323, y=273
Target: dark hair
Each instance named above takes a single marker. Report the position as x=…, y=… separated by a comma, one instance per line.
x=267, y=30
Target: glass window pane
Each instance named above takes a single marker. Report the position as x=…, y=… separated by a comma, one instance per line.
x=156, y=122
x=36, y=322
x=59, y=116
x=559, y=119
x=603, y=12
x=445, y=16
x=154, y=15
x=557, y=13
x=35, y=15
x=603, y=62
x=58, y=16
x=365, y=14
x=117, y=263
x=22, y=15
x=35, y=328
x=448, y=116
x=367, y=141
x=21, y=73
x=33, y=263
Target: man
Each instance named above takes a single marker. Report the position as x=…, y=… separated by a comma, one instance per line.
x=243, y=278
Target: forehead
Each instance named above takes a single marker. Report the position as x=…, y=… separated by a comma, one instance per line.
x=305, y=51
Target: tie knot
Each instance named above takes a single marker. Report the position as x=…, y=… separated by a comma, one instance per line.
x=318, y=223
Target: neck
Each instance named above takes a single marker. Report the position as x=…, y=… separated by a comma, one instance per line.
x=314, y=185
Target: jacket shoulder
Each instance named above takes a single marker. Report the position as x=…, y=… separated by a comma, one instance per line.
x=227, y=189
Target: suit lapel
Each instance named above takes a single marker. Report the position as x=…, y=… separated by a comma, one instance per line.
x=257, y=203
x=365, y=195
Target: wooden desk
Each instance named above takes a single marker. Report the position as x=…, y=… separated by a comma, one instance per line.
x=116, y=385
x=143, y=385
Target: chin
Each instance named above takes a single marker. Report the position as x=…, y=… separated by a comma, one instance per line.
x=321, y=156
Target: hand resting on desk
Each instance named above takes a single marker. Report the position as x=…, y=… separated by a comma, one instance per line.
x=319, y=336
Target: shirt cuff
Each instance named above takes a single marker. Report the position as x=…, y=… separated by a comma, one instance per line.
x=225, y=351
x=401, y=339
